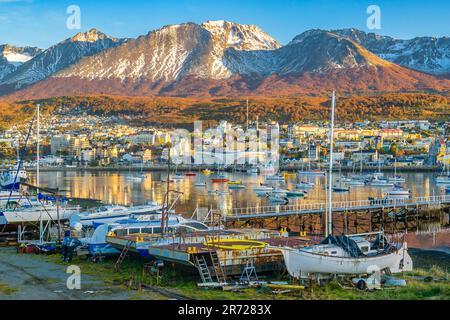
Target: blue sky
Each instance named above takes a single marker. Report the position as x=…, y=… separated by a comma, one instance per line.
x=43, y=23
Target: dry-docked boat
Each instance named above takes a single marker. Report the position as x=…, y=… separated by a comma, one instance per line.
x=346, y=254
x=97, y=243
x=112, y=213
x=36, y=213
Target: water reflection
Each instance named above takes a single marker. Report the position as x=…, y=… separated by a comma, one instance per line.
x=123, y=188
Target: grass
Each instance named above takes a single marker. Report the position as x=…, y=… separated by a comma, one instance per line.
x=429, y=264
x=7, y=290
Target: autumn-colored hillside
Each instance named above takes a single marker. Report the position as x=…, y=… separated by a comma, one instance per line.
x=183, y=111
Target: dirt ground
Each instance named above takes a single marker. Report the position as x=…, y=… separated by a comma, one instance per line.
x=24, y=277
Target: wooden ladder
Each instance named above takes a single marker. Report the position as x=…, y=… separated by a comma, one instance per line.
x=220, y=275
x=123, y=255
x=203, y=269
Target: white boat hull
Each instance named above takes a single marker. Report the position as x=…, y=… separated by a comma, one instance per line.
x=300, y=263
x=36, y=214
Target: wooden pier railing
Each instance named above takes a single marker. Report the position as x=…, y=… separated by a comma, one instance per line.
x=306, y=208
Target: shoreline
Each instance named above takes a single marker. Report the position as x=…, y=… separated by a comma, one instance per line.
x=159, y=168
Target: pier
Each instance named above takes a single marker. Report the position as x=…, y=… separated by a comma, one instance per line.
x=356, y=216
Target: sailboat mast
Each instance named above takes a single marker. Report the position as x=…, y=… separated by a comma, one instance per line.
x=247, y=114
x=329, y=229
x=38, y=138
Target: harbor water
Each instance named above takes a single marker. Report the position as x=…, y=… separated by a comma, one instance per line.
x=126, y=188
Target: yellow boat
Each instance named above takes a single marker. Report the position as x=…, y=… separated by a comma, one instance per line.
x=289, y=174
x=235, y=182
x=206, y=172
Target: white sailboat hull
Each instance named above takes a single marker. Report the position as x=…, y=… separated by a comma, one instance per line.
x=35, y=214
x=300, y=263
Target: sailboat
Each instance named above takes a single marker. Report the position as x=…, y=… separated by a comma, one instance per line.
x=396, y=178
x=309, y=172
x=346, y=254
x=340, y=187
x=444, y=177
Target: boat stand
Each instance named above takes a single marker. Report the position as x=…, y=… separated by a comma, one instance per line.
x=249, y=273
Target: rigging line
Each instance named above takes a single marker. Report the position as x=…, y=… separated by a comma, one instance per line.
x=22, y=154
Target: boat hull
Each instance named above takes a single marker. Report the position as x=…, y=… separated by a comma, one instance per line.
x=35, y=215
x=300, y=263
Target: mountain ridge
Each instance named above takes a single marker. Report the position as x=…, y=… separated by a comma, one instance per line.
x=220, y=57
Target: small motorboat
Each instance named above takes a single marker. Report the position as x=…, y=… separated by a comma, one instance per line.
x=295, y=193
x=218, y=192
x=207, y=172
x=443, y=179
x=263, y=188
x=312, y=173
x=304, y=185
x=398, y=191
x=200, y=184
x=355, y=183
x=275, y=178
x=135, y=178
x=277, y=199
x=252, y=170
x=396, y=178
x=190, y=174
x=178, y=176
x=341, y=189
x=280, y=191
x=235, y=182
x=236, y=186
x=377, y=182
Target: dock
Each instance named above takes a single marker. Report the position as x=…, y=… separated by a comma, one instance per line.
x=377, y=213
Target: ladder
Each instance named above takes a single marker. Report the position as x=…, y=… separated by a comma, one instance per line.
x=220, y=275
x=203, y=269
x=123, y=254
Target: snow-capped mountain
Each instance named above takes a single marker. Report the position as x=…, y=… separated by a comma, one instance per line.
x=12, y=57
x=58, y=57
x=218, y=50
x=175, y=51
x=221, y=58
x=427, y=54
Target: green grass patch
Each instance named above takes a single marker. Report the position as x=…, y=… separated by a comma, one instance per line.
x=6, y=289
x=178, y=281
